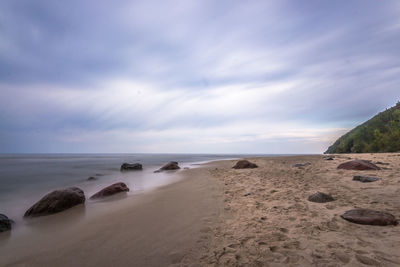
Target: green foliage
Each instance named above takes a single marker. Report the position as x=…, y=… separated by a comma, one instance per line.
x=379, y=134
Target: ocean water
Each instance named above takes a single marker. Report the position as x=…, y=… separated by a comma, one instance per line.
x=25, y=178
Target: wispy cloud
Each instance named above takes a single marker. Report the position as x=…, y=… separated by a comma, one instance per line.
x=187, y=76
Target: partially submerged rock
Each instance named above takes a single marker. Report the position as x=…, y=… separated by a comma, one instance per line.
x=131, y=167
x=358, y=165
x=92, y=178
x=365, y=178
x=111, y=190
x=320, y=197
x=244, y=164
x=57, y=201
x=5, y=223
x=173, y=165
x=369, y=217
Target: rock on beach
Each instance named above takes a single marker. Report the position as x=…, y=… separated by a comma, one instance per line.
x=244, y=164
x=57, y=201
x=358, y=165
x=111, y=190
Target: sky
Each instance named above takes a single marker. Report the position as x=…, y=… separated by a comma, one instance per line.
x=193, y=76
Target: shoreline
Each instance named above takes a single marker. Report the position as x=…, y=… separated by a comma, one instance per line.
x=214, y=215
x=149, y=229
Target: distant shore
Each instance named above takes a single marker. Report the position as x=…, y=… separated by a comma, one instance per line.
x=215, y=215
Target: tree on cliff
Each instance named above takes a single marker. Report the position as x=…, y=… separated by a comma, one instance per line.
x=379, y=134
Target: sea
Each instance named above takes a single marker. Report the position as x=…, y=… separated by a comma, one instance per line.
x=26, y=178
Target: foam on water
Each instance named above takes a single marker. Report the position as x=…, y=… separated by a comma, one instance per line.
x=24, y=179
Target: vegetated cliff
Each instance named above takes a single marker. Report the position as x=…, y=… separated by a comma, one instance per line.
x=379, y=134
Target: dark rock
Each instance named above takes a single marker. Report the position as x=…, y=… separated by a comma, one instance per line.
x=298, y=165
x=111, y=190
x=330, y=158
x=244, y=164
x=365, y=179
x=92, y=178
x=369, y=217
x=320, y=197
x=131, y=167
x=358, y=165
x=381, y=163
x=57, y=201
x=5, y=223
x=173, y=165
x=247, y=194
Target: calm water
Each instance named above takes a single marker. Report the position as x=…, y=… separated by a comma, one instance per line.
x=24, y=179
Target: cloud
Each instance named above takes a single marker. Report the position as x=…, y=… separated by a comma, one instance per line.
x=187, y=76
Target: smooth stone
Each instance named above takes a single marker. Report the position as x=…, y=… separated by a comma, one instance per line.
x=365, y=179
x=173, y=165
x=131, y=167
x=298, y=165
x=111, y=190
x=369, y=217
x=358, y=165
x=5, y=223
x=57, y=201
x=244, y=164
x=320, y=197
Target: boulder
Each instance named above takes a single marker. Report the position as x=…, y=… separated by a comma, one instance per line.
x=320, y=197
x=173, y=165
x=131, y=167
x=57, y=201
x=358, y=165
x=244, y=164
x=365, y=179
x=369, y=217
x=299, y=165
x=111, y=190
x=5, y=223
x=382, y=163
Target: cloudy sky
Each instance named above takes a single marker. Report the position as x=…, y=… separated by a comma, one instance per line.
x=193, y=76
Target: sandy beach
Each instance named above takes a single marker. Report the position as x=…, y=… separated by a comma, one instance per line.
x=215, y=215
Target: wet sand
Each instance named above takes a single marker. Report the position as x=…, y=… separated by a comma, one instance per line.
x=219, y=216
x=158, y=228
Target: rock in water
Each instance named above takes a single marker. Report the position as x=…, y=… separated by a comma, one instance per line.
x=57, y=201
x=369, y=217
x=5, y=223
x=111, y=190
x=173, y=165
x=244, y=164
x=131, y=167
x=365, y=179
x=320, y=197
x=358, y=165
x=92, y=178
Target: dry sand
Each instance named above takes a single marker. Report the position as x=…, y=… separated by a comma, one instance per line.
x=275, y=225
x=218, y=216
